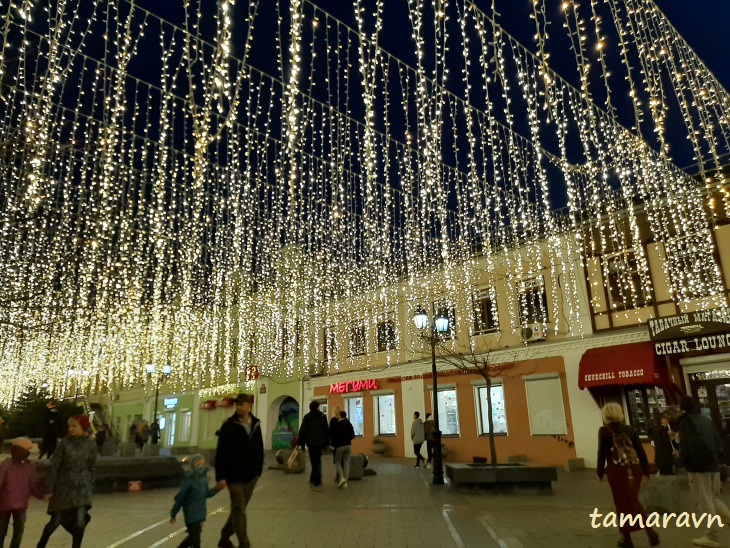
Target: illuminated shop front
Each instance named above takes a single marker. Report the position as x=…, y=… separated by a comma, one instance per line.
x=531, y=412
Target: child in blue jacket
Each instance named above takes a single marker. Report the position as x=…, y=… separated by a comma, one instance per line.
x=193, y=493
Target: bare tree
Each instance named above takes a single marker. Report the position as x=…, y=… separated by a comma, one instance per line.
x=482, y=363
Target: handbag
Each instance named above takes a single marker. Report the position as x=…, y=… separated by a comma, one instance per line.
x=293, y=460
x=660, y=494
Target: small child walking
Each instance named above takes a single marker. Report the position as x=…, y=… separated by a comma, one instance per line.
x=193, y=493
x=18, y=481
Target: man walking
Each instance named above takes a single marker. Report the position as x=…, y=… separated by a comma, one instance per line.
x=418, y=436
x=700, y=450
x=239, y=461
x=428, y=428
x=314, y=433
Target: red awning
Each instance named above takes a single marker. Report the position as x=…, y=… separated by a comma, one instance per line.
x=208, y=404
x=225, y=402
x=622, y=364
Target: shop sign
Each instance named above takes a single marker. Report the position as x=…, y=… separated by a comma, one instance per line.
x=208, y=404
x=710, y=342
x=692, y=324
x=702, y=392
x=353, y=386
x=225, y=402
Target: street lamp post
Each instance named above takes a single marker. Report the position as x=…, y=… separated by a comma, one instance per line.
x=151, y=370
x=433, y=337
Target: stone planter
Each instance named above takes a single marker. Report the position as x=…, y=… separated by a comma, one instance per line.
x=379, y=447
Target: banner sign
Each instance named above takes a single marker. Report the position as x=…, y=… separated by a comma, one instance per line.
x=710, y=342
x=353, y=386
x=692, y=324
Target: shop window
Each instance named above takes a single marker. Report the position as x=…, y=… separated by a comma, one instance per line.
x=499, y=414
x=358, y=343
x=186, y=418
x=448, y=412
x=385, y=408
x=545, y=405
x=641, y=404
x=532, y=301
x=444, y=306
x=323, y=407
x=291, y=340
x=625, y=288
x=329, y=346
x=354, y=413
x=386, y=336
x=485, y=312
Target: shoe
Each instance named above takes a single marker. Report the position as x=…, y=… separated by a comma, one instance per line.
x=344, y=485
x=317, y=488
x=225, y=543
x=341, y=482
x=653, y=539
x=626, y=542
x=428, y=465
x=417, y=466
x=704, y=540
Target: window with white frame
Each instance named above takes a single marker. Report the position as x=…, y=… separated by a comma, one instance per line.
x=186, y=425
x=499, y=413
x=448, y=412
x=329, y=348
x=624, y=284
x=444, y=306
x=485, y=312
x=386, y=335
x=353, y=407
x=545, y=405
x=532, y=301
x=385, y=409
x=358, y=340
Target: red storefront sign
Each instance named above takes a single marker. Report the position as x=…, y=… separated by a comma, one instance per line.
x=208, y=404
x=225, y=402
x=353, y=386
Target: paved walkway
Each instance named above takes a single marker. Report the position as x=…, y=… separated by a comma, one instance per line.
x=398, y=507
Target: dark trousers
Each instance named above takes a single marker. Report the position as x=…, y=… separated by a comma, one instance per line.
x=73, y=519
x=666, y=470
x=18, y=527
x=315, y=458
x=193, y=538
x=48, y=447
x=429, y=450
x=417, y=451
x=236, y=524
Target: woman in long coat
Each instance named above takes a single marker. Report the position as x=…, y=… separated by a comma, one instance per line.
x=624, y=479
x=70, y=482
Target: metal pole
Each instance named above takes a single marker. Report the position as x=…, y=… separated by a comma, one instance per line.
x=438, y=468
x=157, y=394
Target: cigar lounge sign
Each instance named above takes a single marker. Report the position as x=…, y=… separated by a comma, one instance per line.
x=702, y=330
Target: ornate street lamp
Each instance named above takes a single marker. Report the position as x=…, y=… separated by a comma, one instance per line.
x=433, y=334
x=151, y=370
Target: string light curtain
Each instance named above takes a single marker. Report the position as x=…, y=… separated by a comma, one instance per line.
x=213, y=190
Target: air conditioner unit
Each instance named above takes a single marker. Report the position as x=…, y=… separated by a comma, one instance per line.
x=533, y=332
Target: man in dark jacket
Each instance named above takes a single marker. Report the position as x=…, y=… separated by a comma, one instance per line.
x=314, y=433
x=239, y=461
x=342, y=433
x=700, y=450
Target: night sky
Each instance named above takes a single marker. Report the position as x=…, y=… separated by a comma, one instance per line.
x=705, y=26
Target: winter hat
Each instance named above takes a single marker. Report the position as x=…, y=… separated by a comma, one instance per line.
x=83, y=420
x=24, y=443
x=193, y=459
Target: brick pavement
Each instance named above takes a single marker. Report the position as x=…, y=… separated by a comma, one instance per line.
x=397, y=507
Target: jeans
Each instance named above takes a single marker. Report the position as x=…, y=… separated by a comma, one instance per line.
x=76, y=525
x=18, y=527
x=236, y=524
x=342, y=461
x=315, y=457
x=429, y=450
x=705, y=487
x=193, y=538
x=417, y=451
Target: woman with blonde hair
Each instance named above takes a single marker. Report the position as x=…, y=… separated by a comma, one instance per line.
x=621, y=457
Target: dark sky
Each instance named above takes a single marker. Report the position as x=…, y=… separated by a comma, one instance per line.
x=705, y=24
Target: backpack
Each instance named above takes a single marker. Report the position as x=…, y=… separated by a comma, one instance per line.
x=623, y=451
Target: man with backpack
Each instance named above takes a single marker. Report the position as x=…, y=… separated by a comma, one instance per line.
x=700, y=451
